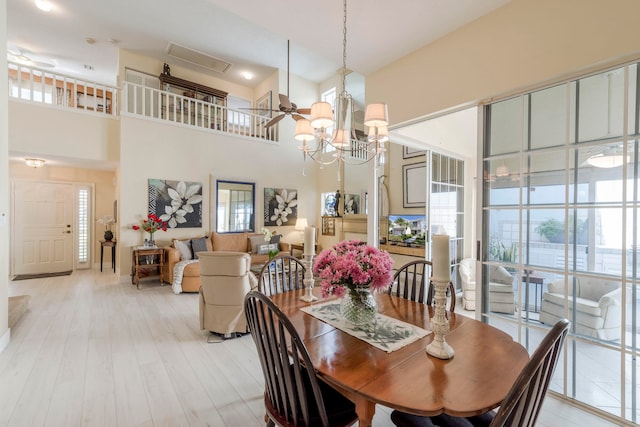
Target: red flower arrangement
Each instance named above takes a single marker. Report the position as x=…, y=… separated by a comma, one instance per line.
x=151, y=225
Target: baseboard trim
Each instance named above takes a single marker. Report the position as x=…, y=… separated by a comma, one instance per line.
x=5, y=339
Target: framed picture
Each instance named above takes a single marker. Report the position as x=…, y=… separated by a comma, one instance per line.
x=179, y=203
x=408, y=152
x=414, y=185
x=264, y=102
x=351, y=204
x=280, y=206
x=328, y=226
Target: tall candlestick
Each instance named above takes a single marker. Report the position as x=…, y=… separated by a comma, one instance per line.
x=440, y=258
x=309, y=241
x=441, y=276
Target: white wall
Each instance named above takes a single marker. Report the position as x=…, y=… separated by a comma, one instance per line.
x=157, y=150
x=53, y=131
x=4, y=181
x=513, y=48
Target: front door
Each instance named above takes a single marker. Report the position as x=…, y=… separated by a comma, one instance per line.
x=43, y=232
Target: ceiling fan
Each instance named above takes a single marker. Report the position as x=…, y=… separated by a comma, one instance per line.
x=286, y=107
x=25, y=58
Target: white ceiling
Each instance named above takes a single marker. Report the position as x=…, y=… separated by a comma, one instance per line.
x=250, y=34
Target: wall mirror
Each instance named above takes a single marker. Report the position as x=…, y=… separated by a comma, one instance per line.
x=235, y=206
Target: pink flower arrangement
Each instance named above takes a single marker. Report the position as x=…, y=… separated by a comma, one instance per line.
x=353, y=265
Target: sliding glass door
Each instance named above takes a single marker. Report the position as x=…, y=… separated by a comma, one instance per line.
x=560, y=229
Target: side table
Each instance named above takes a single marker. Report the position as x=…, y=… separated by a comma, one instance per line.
x=144, y=259
x=112, y=244
x=537, y=281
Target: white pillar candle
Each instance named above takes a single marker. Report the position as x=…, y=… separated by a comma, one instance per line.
x=309, y=241
x=440, y=258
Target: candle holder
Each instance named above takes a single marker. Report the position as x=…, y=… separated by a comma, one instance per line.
x=439, y=324
x=308, y=279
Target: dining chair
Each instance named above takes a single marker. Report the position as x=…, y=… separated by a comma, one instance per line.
x=294, y=395
x=524, y=400
x=282, y=274
x=409, y=282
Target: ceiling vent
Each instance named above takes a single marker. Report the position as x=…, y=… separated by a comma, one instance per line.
x=198, y=58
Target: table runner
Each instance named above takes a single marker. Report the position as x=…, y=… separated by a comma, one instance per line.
x=385, y=333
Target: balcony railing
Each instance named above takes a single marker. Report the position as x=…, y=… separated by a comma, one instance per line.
x=42, y=86
x=167, y=106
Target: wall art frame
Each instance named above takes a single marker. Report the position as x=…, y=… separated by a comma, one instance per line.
x=179, y=203
x=414, y=185
x=408, y=152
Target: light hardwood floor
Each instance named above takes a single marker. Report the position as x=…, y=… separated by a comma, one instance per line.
x=92, y=351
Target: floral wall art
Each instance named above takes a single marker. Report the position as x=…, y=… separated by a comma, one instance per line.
x=351, y=204
x=280, y=206
x=178, y=203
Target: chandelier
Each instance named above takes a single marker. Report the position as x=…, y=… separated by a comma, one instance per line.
x=326, y=140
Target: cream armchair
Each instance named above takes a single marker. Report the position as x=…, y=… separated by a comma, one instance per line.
x=598, y=305
x=226, y=278
x=467, y=270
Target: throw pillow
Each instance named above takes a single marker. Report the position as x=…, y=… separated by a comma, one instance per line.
x=264, y=249
x=198, y=245
x=275, y=238
x=184, y=247
x=500, y=275
x=256, y=241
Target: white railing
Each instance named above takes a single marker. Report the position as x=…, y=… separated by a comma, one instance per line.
x=42, y=86
x=167, y=106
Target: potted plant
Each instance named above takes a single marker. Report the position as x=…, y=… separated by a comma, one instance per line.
x=107, y=221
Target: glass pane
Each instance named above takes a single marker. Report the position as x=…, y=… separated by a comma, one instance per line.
x=506, y=126
x=549, y=117
x=601, y=105
x=633, y=118
x=546, y=180
x=502, y=177
x=597, y=376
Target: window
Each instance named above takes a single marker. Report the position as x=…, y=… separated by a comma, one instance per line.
x=83, y=198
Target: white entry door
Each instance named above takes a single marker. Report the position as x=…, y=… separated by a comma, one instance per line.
x=43, y=233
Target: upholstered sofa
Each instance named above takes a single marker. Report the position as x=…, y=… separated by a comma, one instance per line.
x=226, y=279
x=185, y=250
x=598, y=305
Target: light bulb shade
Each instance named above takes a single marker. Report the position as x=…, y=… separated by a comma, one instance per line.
x=34, y=163
x=304, y=131
x=340, y=138
x=382, y=134
x=376, y=115
x=321, y=115
x=502, y=170
x=301, y=224
x=611, y=158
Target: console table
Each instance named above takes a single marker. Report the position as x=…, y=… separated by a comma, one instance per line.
x=112, y=244
x=145, y=259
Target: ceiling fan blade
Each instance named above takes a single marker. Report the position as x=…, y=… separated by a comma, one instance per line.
x=284, y=101
x=275, y=120
x=297, y=116
x=258, y=109
x=304, y=111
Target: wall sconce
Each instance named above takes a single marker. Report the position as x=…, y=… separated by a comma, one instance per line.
x=34, y=163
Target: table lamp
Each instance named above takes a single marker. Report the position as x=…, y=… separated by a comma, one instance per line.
x=301, y=224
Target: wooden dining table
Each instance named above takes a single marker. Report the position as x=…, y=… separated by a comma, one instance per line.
x=476, y=380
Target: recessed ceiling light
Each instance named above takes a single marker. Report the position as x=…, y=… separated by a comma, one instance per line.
x=247, y=75
x=44, y=5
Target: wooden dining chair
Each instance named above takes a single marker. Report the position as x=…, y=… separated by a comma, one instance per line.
x=410, y=280
x=524, y=400
x=284, y=273
x=294, y=396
